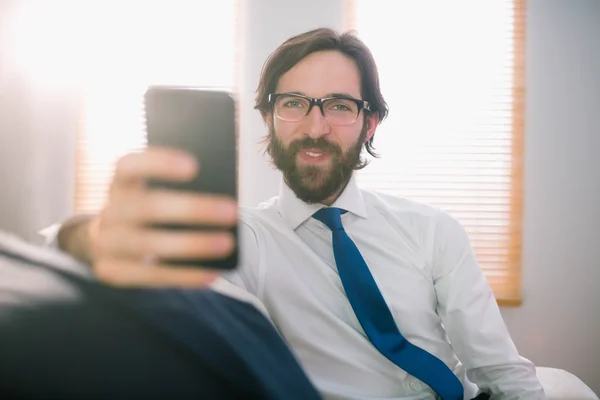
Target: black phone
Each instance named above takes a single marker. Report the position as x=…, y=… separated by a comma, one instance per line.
x=202, y=122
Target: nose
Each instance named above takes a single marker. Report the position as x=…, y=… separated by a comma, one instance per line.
x=316, y=125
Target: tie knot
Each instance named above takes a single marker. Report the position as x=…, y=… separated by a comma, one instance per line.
x=331, y=217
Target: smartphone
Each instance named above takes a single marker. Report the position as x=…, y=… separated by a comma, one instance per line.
x=202, y=122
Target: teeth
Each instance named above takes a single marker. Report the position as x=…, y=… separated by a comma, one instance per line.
x=310, y=153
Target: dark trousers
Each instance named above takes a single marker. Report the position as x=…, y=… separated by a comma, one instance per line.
x=65, y=336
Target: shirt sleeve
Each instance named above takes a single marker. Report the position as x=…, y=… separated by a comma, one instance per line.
x=472, y=319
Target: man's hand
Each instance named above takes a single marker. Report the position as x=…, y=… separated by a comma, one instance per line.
x=124, y=251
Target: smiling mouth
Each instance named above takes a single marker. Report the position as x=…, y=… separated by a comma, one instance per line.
x=313, y=156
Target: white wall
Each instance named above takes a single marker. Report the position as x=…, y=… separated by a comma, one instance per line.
x=37, y=148
x=28, y=156
x=559, y=322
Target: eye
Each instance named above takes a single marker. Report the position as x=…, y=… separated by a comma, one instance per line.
x=340, y=107
x=293, y=104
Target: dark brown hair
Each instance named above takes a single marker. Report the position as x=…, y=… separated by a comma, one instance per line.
x=296, y=48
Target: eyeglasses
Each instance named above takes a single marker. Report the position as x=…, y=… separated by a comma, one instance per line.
x=338, y=110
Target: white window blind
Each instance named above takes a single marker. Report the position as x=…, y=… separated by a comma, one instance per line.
x=132, y=45
x=452, y=74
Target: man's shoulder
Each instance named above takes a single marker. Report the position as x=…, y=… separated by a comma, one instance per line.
x=261, y=215
x=399, y=205
x=261, y=210
x=411, y=210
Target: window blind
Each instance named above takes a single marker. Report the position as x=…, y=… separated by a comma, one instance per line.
x=452, y=73
x=134, y=45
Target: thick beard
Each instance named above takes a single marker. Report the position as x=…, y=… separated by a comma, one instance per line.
x=314, y=184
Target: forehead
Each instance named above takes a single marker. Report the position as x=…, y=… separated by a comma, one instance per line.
x=322, y=73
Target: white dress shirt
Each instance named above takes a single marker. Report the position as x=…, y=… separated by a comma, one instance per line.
x=424, y=266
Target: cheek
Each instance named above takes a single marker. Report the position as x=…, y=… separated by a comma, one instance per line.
x=285, y=130
x=346, y=136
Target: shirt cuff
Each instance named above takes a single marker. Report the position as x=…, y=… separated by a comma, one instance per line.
x=50, y=235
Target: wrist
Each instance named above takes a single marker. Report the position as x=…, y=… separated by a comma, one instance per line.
x=74, y=237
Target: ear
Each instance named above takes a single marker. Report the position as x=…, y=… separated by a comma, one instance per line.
x=268, y=120
x=372, y=122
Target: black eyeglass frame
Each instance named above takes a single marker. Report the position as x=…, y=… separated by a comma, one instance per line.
x=361, y=104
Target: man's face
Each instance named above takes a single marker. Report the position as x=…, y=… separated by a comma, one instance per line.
x=317, y=158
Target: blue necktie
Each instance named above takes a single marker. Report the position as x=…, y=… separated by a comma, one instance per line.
x=375, y=317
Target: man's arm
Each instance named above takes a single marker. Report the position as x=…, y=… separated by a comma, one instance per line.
x=472, y=319
x=73, y=237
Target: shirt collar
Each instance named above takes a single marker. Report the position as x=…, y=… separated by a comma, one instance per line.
x=295, y=211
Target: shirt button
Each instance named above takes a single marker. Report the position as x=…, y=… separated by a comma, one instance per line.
x=412, y=385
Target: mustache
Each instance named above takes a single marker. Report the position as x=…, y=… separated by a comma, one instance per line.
x=319, y=144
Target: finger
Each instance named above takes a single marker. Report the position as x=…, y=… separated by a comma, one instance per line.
x=171, y=207
x=126, y=273
x=155, y=163
x=134, y=243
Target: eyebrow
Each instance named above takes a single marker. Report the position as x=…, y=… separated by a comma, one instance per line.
x=327, y=95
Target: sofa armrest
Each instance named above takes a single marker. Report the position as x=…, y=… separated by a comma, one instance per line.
x=562, y=385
